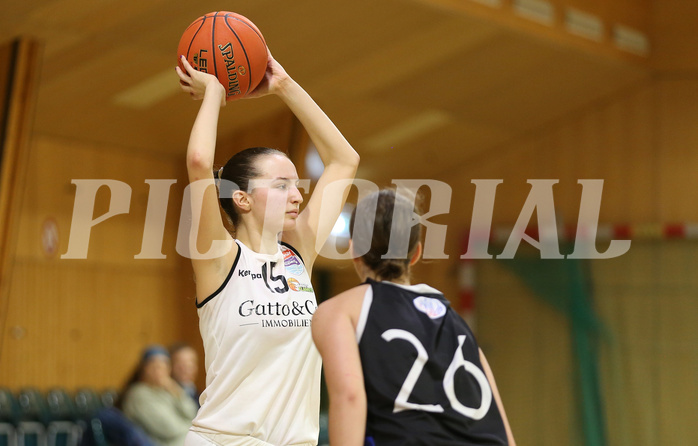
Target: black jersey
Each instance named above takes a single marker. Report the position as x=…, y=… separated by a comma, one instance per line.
x=424, y=381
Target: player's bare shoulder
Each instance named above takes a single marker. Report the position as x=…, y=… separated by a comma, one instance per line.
x=347, y=303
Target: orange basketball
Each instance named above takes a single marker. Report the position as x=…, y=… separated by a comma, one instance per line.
x=229, y=46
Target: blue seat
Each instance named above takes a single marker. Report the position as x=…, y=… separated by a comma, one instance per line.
x=9, y=417
x=9, y=407
x=33, y=417
x=32, y=406
x=109, y=397
x=62, y=429
x=96, y=434
x=60, y=405
x=87, y=403
x=8, y=435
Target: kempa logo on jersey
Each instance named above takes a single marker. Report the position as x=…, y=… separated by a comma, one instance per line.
x=249, y=308
x=248, y=273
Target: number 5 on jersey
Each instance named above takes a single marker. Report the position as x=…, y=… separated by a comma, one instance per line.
x=269, y=276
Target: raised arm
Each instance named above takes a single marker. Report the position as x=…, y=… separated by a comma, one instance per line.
x=200, y=154
x=341, y=161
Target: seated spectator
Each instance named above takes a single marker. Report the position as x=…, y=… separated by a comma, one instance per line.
x=153, y=400
x=185, y=367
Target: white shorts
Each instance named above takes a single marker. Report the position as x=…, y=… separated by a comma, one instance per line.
x=204, y=439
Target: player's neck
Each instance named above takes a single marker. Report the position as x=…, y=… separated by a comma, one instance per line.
x=263, y=243
x=402, y=280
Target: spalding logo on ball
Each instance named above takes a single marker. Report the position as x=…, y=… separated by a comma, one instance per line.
x=229, y=46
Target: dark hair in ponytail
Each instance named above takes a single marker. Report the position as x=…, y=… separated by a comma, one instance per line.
x=390, y=210
x=236, y=175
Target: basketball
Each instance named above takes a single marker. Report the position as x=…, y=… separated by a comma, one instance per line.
x=229, y=46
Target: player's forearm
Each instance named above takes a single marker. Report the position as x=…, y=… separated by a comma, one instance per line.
x=497, y=398
x=347, y=420
x=329, y=141
x=202, y=141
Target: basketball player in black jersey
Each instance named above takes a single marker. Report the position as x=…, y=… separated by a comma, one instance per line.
x=402, y=367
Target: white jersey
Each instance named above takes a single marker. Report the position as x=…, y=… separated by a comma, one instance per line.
x=262, y=368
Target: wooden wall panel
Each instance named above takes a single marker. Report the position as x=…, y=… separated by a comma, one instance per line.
x=678, y=138
x=55, y=163
x=19, y=68
x=76, y=322
x=70, y=327
x=634, y=13
x=613, y=141
x=276, y=132
x=675, y=41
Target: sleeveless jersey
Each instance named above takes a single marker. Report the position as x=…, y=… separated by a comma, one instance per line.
x=262, y=368
x=424, y=381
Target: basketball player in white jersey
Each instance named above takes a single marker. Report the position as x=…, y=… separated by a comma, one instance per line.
x=255, y=300
x=402, y=367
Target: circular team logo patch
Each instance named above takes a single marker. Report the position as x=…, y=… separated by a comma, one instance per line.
x=433, y=308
